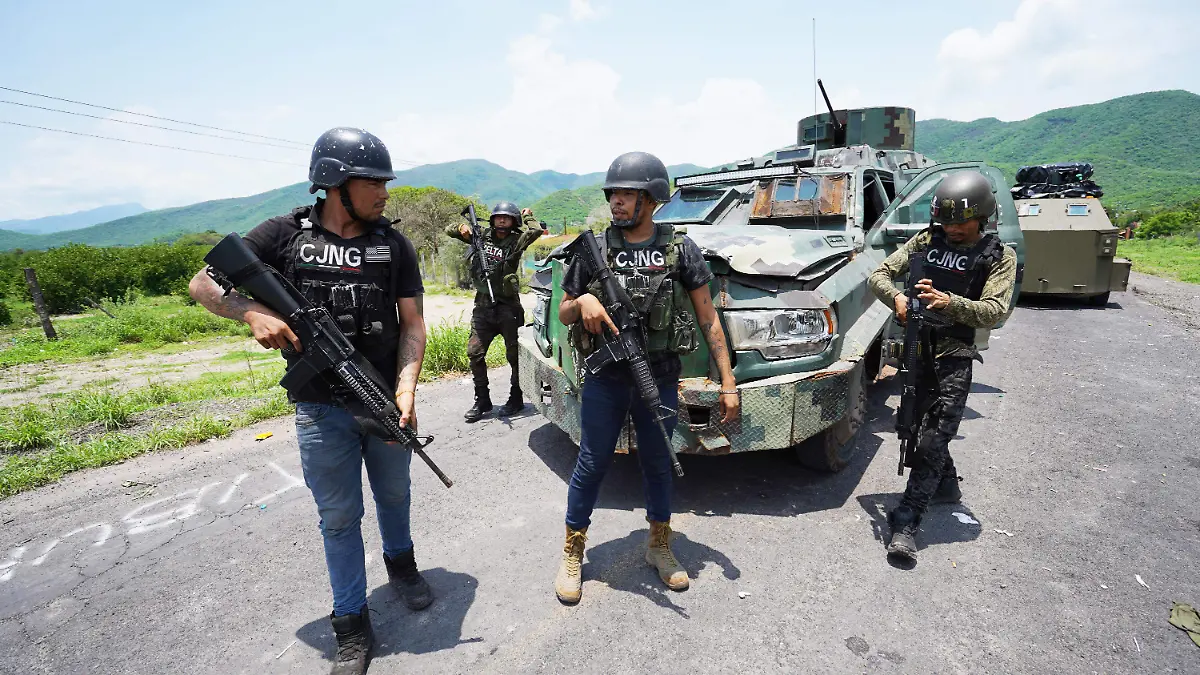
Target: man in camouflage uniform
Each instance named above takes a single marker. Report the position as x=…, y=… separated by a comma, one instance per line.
x=969, y=279
x=504, y=241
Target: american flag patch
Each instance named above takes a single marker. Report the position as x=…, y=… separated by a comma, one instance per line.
x=376, y=254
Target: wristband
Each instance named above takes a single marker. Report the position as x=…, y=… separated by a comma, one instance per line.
x=735, y=392
x=407, y=391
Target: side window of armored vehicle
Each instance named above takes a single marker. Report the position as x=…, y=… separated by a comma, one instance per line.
x=874, y=198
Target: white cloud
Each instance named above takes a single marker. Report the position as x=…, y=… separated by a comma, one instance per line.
x=582, y=10
x=572, y=115
x=1052, y=53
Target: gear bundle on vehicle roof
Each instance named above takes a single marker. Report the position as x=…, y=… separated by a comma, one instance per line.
x=1066, y=180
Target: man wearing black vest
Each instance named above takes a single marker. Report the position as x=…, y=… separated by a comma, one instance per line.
x=498, y=309
x=969, y=277
x=344, y=256
x=666, y=276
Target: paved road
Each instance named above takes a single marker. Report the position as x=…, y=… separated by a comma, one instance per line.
x=1080, y=441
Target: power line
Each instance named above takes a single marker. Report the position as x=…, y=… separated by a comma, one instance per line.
x=155, y=117
x=151, y=126
x=153, y=145
x=163, y=119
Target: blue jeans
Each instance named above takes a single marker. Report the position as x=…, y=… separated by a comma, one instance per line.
x=602, y=415
x=333, y=448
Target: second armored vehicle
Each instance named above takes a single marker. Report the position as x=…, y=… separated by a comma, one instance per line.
x=1072, y=243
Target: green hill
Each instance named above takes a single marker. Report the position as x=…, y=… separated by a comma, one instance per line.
x=1145, y=148
x=491, y=182
x=574, y=205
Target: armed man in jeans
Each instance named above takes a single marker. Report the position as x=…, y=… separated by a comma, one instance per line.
x=659, y=267
x=344, y=256
x=970, y=277
x=497, y=311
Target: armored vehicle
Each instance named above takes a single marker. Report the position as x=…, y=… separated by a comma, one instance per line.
x=792, y=237
x=1072, y=243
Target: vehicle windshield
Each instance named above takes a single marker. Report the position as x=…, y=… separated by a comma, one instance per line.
x=690, y=204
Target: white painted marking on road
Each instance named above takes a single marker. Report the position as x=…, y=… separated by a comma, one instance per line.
x=164, y=518
x=14, y=559
x=293, y=482
x=105, y=533
x=233, y=488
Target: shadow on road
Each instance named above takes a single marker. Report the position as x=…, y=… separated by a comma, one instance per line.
x=401, y=630
x=764, y=483
x=1039, y=303
x=938, y=526
x=621, y=565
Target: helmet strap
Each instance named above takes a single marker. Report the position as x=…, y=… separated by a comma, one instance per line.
x=347, y=204
x=637, y=211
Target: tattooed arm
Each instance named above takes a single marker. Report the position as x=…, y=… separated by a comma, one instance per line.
x=411, y=355
x=710, y=325
x=271, y=331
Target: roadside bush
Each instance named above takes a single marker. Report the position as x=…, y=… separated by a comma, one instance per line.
x=5, y=314
x=71, y=273
x=1168, y=223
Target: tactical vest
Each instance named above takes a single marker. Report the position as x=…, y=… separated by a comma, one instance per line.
x=959, y=271
x=650, y=275
x=354, y=283
x=505, y=283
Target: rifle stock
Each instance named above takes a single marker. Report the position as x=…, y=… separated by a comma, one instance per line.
x=628, y=345
x=232, y=264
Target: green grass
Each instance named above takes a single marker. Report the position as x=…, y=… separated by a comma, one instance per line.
x=143, y=325
x=435, y=288
x=1171, y=257
x=446, y=351
x=40, y=433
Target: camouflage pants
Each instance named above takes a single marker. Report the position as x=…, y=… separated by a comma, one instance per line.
x=487, y=323
x=939, y=426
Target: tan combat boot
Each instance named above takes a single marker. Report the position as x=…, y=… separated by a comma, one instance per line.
x=658, y=555
x=568, y=585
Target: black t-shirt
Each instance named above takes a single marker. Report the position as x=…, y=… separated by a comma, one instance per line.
x=271, y=241
x=693, y=273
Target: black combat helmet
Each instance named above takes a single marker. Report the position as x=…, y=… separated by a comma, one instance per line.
x=640, y=171
x=506, y=209
x=963, y=196
x=344, y=153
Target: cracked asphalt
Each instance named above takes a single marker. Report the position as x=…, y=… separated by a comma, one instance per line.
x=1081, y=459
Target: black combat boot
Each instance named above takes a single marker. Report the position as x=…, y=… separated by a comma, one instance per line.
x=904, y=523
x=354, y=640
x=483, y=406
x=407, y=581
x=948, y=490
x=515, y=404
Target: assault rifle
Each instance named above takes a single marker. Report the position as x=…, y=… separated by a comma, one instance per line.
x=920, y=387
x=363, y=391
x=477, y=256
x=628, y=346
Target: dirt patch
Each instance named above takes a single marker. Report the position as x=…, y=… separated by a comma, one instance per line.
x=30, y=382
x=1179, y=298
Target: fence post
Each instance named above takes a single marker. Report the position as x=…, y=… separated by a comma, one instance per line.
x=39, y=303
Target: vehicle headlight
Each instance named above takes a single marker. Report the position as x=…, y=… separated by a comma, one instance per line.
x=781, y=334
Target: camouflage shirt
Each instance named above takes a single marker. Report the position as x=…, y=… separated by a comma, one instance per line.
x=506, y=250
x=991, y=306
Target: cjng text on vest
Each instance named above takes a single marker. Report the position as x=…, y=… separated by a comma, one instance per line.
x=641, y=258
x=947, y=259
x=332, y=254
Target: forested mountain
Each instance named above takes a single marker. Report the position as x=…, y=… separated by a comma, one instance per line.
x=1145, y=148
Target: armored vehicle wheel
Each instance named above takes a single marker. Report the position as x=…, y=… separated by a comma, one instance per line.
x=1099, y=300
x=832, y=449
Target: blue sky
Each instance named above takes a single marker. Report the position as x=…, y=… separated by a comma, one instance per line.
x=553, y=84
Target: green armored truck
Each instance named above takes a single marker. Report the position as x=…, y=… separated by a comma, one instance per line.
x=791, y=238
